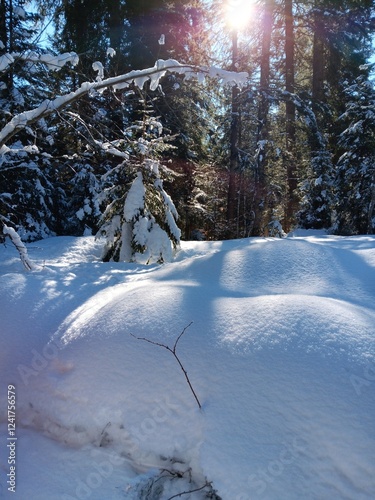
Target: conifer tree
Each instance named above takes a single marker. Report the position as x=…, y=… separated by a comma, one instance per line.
x=139, y=220
x=28, y=199
x=355, y=179
x=341, y=46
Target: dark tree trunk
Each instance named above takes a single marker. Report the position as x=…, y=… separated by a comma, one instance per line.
x=263, y=132
x=263, y=112
x=234, y=130
x=290, y=117
x=318, y=69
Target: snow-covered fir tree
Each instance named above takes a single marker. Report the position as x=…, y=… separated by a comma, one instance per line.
x=28, y=196
x=316, y=187
x=355, y=181
x=140, y=219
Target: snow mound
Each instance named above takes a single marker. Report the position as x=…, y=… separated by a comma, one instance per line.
x=280, y=353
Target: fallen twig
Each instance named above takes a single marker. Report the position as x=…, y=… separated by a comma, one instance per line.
x=173, y=351
x=190, y=491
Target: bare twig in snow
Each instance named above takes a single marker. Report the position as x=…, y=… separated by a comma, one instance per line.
x=190, y=491
x=173, y=351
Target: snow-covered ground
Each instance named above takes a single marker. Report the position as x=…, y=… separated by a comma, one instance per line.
x=280, y=353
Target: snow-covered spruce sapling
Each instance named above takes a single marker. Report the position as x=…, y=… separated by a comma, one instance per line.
x=140, y=220
x=172, y=350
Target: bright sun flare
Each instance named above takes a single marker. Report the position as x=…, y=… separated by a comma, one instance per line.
x=238, y=12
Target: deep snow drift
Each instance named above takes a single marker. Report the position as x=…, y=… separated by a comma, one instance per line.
x=280, y=353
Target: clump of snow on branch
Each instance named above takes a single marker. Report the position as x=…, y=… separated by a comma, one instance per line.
x=5, y=61
x=228, y=77
x=140, y=77
x=52, y=62
x=110, y=148
x=135, y=199
x=111, y=52
x=19, y=12
x=55, y=63
x=17, y=242
x=98, y=66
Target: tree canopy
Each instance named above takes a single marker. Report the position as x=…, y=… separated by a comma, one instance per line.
x=293, y=145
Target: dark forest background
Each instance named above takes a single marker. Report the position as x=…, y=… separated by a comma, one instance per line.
x=294, y=146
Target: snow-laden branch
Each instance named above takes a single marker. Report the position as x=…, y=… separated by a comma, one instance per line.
x=52, y=62
x=16, y=240
x=138, y=77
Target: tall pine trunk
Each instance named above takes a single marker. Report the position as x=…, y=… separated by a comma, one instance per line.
x=6, y=37
x=290, y=117
x=233, y=161
x=318, y=63
x=263, y=112
x=265, y=65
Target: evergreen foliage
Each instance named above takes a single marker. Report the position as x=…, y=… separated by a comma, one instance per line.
x=139, y=221
x=355, y=181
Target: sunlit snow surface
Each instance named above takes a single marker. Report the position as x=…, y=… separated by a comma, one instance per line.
x=280, y=354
